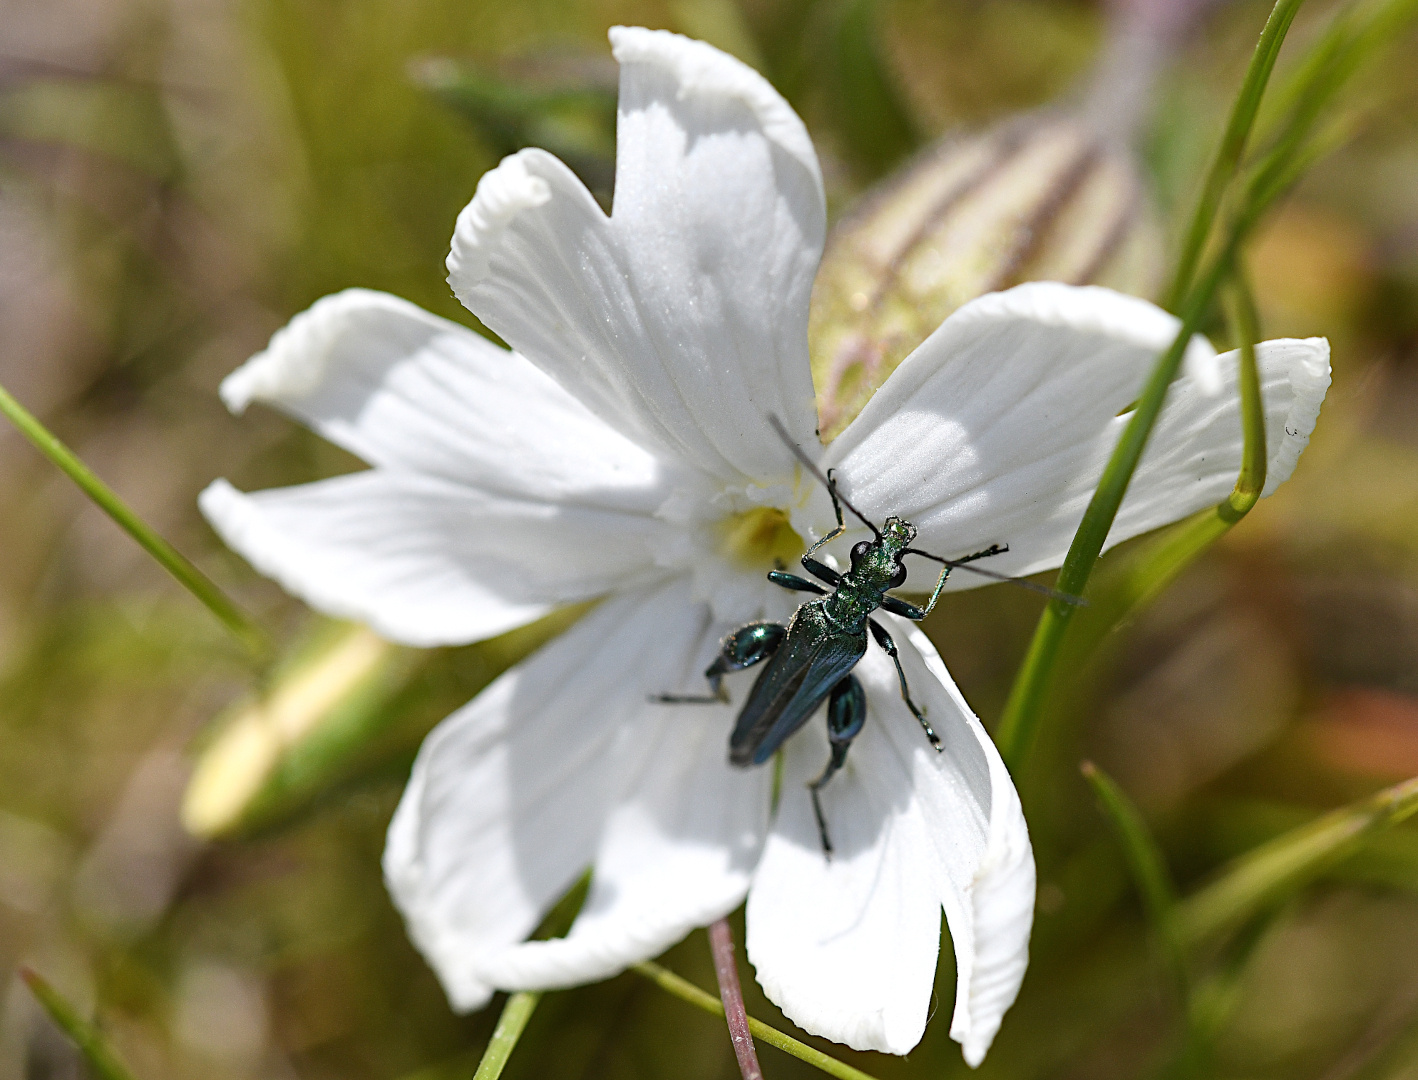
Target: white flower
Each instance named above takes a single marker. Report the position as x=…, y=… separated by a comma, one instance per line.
x=622, y=451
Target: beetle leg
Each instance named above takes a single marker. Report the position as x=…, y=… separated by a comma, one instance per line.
x=818, y=569
x=821, y=571
x=797, y=584
x=904, y=608
x=889, y=647
x=993, y=549
x=846, y=713
x=748, y=645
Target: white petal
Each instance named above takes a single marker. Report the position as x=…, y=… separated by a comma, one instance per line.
x=847, y=948
x=428, y=562
x=510, y=797
x=998, y=427
x=677, y=853
x=1000, y=907
x=406, y=390
x=682, y=318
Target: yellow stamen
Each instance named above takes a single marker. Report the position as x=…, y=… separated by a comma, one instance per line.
x=761, y=538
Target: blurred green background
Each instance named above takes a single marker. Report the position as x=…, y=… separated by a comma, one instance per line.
x=179, y=177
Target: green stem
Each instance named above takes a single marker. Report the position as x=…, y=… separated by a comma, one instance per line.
x=510, y=1025
x=176, y=564
x=686, y=991
x=1138, y=581
x=90, y=1041
x=1352, y=38
x=1023, y=709
x=1232, y=149
x=1245, y=329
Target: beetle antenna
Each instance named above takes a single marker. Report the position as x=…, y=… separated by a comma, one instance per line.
x=810, y=466
x=965, y=564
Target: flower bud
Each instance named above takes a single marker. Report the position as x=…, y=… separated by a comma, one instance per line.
x=346, y=705
x=1043, y=197
x=267, y=753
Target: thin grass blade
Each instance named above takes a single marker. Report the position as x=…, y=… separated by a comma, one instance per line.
x=1148, y=867
x=686, y=991
x=90, y=1041
x=510, y=1025
x=1232, y=149
x=1023, y=709
x=1278, y=868
x=172, y=560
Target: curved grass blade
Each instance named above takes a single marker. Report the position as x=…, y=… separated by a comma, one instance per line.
x=1232, y=150
x=90, y=1041
x=1148, y=571
x=1023, y=709
x=519, y=1007
x=1352, y=38
x=1276, y=869
x=1213, y=1000
x=1024, y=706
x=172, y=560
x=1148, y=867
x=686, y=991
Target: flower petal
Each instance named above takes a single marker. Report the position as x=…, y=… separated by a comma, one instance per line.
x=847, y=948
x=425, y=561
x=998, y=427
x=681, y=319
x=409, y=391
x=1000, y=912
x=677, y=853
x=512, y=795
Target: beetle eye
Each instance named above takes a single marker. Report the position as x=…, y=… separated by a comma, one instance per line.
x=898, y=577
x=859, y=551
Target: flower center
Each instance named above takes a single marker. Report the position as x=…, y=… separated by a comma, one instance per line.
x=760, y=538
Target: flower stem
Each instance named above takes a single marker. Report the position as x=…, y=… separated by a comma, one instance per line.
x=721, y=943
x=510, y=1025
x=173, y=561
x=90, y=1041
x=1232, y=149
x=1155, y=565
x=686, y=991
x=1023, y=709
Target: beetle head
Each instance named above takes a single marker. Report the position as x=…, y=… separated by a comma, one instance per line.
x=898, y=532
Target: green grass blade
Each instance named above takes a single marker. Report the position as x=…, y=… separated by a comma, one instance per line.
x=1245, y=330
x=173, y=561
x=1145, y=861
x=90, y=1041
x=1134, y=584
x=1354, y=36
x=1023, y=709
x=1212, y=1003
x=510, y=1025
x=1278, y=868
x=686, y=991
x=1232, y=150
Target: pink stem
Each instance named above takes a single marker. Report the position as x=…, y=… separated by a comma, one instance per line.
x=721, y=942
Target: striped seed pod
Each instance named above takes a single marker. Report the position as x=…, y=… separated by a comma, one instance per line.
x=1042, y=197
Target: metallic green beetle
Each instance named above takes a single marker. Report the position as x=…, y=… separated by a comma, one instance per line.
x=811, y=658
